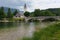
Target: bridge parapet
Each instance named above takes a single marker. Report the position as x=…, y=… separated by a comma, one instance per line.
x=42, y=17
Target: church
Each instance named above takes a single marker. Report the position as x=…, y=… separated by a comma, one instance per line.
x=21, y=13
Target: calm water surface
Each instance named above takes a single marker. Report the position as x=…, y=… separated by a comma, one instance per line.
x=15, y=31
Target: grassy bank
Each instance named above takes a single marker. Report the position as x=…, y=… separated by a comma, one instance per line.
x=12, y=19
x=52, y=32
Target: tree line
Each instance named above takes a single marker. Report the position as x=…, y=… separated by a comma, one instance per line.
x=9, y=14
x=35, y=13
x=38, y=12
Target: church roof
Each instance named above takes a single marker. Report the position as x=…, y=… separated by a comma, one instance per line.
x=18, y=14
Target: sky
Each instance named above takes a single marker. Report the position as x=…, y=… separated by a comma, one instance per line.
x=31, y=4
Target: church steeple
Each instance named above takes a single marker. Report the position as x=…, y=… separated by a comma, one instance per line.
x=25, y=7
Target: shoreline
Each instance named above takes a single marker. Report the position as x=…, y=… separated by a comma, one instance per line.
x=5, y=21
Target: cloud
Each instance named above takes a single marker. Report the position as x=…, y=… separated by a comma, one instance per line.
x=31, y=4
x=44, y=4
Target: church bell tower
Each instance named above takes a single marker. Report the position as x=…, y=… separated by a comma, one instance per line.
x=25, y=7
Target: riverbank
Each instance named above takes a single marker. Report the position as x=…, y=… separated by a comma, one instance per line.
x=18, y=30
x=13, y=20
x=52, y=32
x=31, y=30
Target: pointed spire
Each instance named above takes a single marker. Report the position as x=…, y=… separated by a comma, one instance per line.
x=25, y=7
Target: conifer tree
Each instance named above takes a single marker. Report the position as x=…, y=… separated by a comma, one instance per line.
x=15, y=12
x=2, y=13
x=9, y=14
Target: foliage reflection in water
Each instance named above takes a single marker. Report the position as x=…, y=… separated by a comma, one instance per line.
x=15, y=30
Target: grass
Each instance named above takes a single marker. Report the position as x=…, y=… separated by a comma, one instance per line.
x=20, y=19
x=52, y=32
x=25, y=38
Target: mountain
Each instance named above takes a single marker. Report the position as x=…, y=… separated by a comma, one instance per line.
x=6, y=9
x=12, y=10
x=55, y=11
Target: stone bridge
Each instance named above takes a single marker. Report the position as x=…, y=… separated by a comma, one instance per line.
x=42, y=17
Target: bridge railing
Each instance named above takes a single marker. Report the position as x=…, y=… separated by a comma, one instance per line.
x=44, y=17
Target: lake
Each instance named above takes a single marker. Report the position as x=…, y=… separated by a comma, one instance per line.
x=18, y=30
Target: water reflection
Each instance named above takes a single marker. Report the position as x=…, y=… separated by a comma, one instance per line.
x=18, y=30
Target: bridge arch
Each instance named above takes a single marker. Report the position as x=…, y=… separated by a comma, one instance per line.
x=49, y=19
x=43, y=18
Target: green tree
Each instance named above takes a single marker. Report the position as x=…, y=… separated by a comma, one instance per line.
x=48, y=13
x=2, y=13
x=9, y=14
x=32, y=14
x=36, y=12
x=15, y=12
x=27, y=14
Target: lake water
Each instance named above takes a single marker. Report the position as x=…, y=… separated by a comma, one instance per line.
x=15, y=31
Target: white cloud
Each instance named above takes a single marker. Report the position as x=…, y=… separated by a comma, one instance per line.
x=44, y=4
x=31, y=4
x=21, y=8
